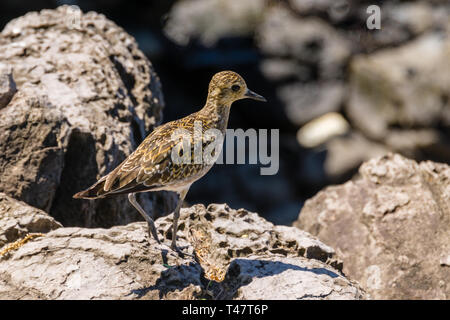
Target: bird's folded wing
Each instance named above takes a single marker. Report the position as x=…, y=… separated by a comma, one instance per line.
x=150, y=166
x=142, y=169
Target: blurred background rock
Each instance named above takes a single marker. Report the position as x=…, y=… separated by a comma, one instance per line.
x=339, y=92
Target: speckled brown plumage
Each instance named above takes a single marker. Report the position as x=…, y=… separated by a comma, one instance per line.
x=150, y=167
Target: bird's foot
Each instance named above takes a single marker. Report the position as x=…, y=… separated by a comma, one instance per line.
x=179, y=250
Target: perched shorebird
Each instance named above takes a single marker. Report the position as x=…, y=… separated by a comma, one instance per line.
x=151, y=166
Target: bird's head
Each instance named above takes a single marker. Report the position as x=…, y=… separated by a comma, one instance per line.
x=228, y=86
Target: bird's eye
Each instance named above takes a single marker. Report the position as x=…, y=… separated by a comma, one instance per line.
x=235, y=88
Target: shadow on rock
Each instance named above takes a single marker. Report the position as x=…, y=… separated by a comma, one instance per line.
x=174, y=278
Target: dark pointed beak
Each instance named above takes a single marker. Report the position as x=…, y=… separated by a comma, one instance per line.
x=251, y=95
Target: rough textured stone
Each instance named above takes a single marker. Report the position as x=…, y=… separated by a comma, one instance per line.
x=390, y=226
x=17, y=219
x=86, y=98
x=7, y=87
x=298, y=278
x=262, y=261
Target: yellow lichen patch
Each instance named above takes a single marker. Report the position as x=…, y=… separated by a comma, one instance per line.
x=203, y=249
x=18, y=243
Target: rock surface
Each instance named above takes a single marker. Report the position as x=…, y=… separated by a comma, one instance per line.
x=262, y=261
x=17, y=219
x=86, y=98
x=7, y=87
x=390, y=227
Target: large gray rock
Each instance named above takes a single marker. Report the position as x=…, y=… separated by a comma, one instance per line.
x=86, y=98
x=276, y=277
x=255, y=259
x=17, y=219
x=390, y=226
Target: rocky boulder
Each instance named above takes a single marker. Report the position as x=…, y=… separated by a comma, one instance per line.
x=390, y=226
x=86, y=97
x=248, y=258
x=17, y=219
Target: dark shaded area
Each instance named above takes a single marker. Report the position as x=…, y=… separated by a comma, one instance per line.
x=76, y=175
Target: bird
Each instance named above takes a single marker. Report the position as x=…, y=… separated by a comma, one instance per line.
x=153, y=167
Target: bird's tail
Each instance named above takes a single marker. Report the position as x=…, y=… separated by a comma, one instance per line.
x=93, y=192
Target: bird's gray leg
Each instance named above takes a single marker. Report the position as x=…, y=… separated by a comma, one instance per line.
x=176, y=215
x=151, y=224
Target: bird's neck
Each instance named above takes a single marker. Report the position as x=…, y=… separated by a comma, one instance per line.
x=217, y=111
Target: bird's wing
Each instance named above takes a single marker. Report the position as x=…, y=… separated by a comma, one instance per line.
x=150, y=166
